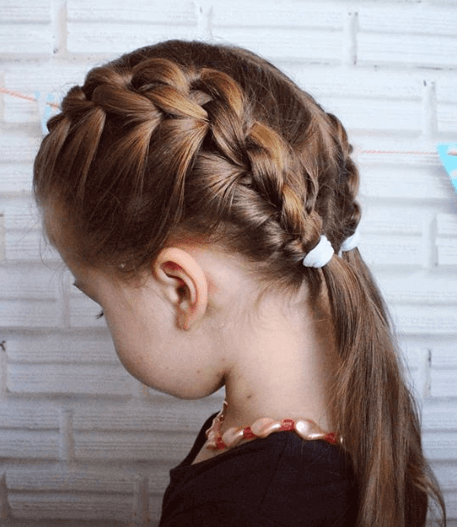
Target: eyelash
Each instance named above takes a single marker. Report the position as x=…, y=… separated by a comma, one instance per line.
x=101, y=314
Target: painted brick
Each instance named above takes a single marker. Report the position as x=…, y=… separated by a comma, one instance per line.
x=383, y=151
x=63, y=348
x=33, y=444
x=84, y=478
x=23, y=111
x=446, y=90
x=19, y=111
x=447, y=475
x=440, y=446
x=52, y=80
x=174, y=12
x=355, y=84
x=445, y=357
x=439, y=415
x=15, y=179
x=2, y=238
x=290, y=15
x=451, y=506
x=29, y=313
x=420, y=288
x=117, y=38
x=410, y=353
x=24, y=246
x=47, y=78
x=447, y=252
x=158, y=480
x=392, y=250
x=20, y=213
x=181, y=416
x=68, y=506
x=446, y=225
x=410, y=361
x=444, y=371
x=68, y=379
x=395, y=220
x=388, y=240
x=132, y=446
x=425, y=320
x=418, y=19
x=36, y=11
x=29, y=247
x=380, y=115
x=391, y=180
x=444, y=383
x=406, y=50
x=19, y=147
x=31, y=39
x=312, y=47
x=27, y=415
x=446, y=116
x=446, y=239
x=155, y=509
x=27, y=282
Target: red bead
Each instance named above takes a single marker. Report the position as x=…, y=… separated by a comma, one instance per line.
x=248, y=433
x=331, y=438
x=220, y=445
x=287, y=425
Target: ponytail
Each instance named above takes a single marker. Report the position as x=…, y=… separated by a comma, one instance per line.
x=375, y=412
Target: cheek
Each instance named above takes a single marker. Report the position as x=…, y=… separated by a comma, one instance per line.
x=139, y=344
x=135, y=358
x=168, y=365
x=156, y=352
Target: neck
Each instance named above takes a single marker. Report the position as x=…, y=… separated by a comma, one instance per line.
x=283, y=370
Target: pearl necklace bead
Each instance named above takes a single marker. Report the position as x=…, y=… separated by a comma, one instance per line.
x=305, y=428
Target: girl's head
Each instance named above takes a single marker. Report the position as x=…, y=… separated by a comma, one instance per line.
x=186, y=142
x=191, y=140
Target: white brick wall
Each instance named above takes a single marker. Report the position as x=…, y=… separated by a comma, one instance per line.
x=79, y=438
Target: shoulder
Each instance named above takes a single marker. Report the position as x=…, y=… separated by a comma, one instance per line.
x=313, y=480
x=282, y=478
x=219, y=514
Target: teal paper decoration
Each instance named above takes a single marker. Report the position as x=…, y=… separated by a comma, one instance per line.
x=448, y=156
x=44, y=109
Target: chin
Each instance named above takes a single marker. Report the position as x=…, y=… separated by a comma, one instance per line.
x=190, y=391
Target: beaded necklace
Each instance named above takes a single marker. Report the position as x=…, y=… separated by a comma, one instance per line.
x=305, y=428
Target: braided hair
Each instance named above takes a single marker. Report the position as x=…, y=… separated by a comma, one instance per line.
x=187, y=139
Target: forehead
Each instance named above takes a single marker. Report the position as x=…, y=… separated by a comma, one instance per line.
x=58, y=231
x=53, y=225
x=62, y=234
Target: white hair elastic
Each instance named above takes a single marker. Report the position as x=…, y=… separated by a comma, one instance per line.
x=350, y=243
x=323, y=252
x=320, y=255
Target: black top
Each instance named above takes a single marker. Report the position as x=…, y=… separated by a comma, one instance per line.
x=281, y=480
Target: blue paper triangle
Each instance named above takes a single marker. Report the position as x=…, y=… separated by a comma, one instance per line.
x=449, y=161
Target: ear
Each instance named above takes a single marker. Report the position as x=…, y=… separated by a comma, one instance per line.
x=184, y=284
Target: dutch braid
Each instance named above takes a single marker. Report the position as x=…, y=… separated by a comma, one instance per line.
x=349, y=182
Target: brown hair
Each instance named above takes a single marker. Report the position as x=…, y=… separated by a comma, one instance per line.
x=215, y=142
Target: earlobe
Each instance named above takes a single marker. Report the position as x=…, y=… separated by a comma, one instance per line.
x=184, y=284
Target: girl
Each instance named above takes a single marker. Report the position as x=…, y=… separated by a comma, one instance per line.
x=209, y=206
